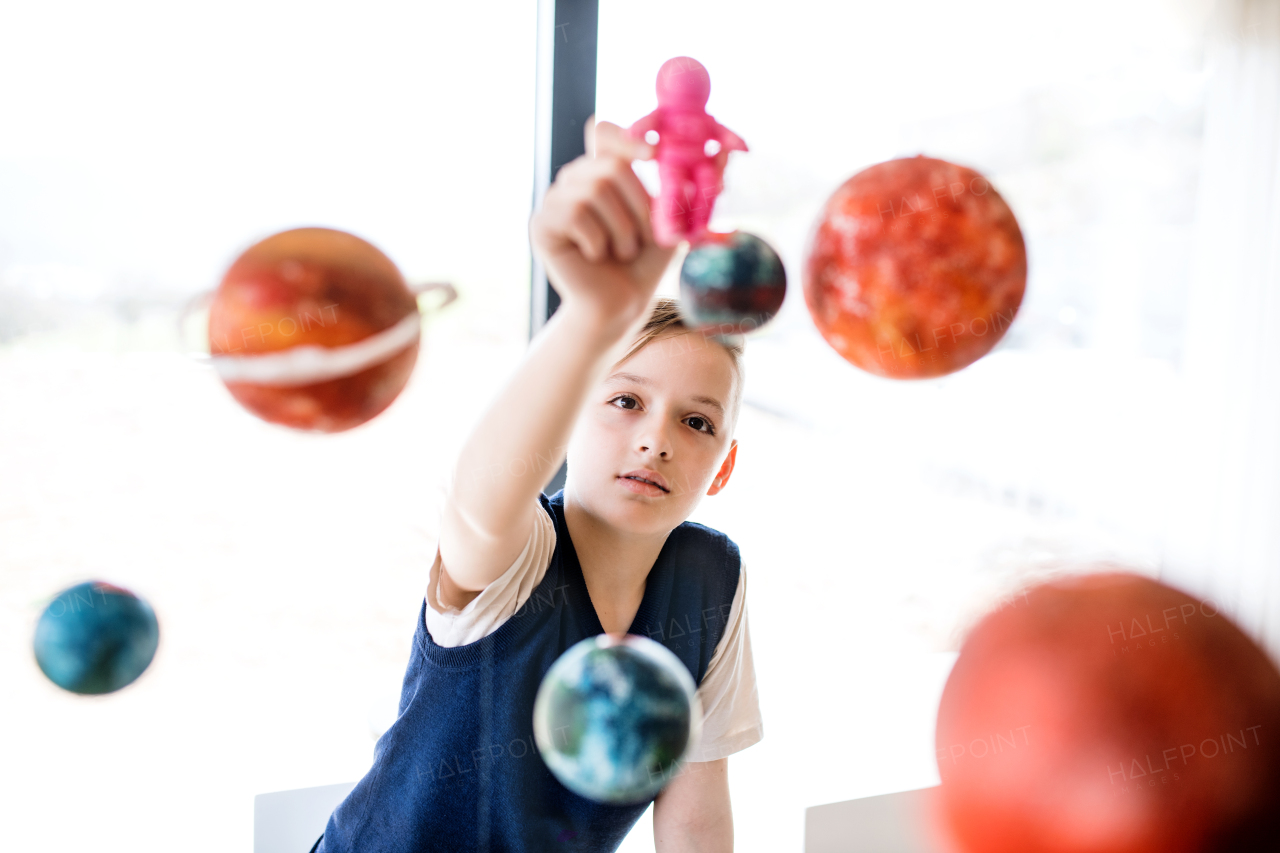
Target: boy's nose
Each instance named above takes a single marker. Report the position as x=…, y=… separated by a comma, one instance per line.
x=654, y=440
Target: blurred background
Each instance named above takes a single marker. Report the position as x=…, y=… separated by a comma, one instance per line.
x=144, y=145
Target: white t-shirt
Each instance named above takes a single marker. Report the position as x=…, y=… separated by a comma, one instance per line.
x=730, y=704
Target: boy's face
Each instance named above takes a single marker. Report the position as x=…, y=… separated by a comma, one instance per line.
x=664, y=415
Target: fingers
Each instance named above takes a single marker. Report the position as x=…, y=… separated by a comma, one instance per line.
x=616, y=198
x=597, y=203
x=585, y=231
x=609, y=140
x=636, y=198
x=624, y=231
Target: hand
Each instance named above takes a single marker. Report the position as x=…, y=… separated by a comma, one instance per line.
x=594, y=233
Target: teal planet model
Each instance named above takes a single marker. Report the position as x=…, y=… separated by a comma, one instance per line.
x=614, y=716
x=96, y=638
x=731, y=284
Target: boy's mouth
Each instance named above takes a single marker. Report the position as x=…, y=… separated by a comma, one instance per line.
x=647, y=477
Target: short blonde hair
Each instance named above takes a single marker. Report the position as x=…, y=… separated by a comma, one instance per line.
x=665, y=319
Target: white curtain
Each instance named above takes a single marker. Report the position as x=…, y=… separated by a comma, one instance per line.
x=1224, y=539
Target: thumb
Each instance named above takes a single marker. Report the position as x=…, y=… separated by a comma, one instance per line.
x=606, y=139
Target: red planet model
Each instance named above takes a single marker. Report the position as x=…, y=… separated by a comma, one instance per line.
x=1110, y=714
x=314, y=329
x=916, y=268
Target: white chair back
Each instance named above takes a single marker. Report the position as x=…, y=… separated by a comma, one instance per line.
x=292, y=821
x=890, y=823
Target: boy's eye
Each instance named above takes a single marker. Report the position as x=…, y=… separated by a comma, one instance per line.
x=701, y=424
x=625, y=401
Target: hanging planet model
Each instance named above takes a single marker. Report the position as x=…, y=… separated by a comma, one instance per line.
x=1113, y=713
x=613, y=717
x=314, y=329
x=95, y=638
x=731, y=284
x=916, y=268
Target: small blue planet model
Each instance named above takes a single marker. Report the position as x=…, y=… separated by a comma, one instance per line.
x=614, y=716
x=731, y=284
x=96, y=638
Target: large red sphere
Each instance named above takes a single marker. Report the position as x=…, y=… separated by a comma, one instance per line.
x=1110, y=714
x=916, y=268
x=314, y=329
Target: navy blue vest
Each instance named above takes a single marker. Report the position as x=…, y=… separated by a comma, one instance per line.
x=459, y=771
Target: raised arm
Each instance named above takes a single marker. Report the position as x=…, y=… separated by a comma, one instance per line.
x=729, y=141
x=594, y=236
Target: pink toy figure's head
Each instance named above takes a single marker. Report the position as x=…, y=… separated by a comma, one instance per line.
x=683, y=83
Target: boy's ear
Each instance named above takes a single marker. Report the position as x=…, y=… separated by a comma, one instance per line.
x=726, y=470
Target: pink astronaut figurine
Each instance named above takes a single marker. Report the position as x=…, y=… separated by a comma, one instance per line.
x=690, y=177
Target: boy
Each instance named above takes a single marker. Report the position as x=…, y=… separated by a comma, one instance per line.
x=646, y=411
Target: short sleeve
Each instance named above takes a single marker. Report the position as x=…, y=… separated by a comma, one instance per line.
x=730, y=703
x=497, y=602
